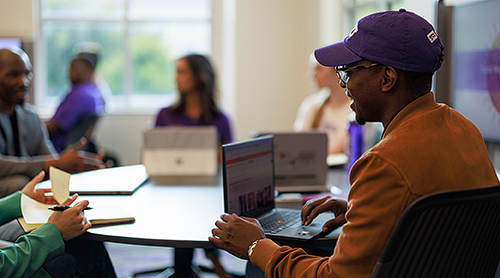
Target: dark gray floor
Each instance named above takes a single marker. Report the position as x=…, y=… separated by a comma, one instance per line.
x=128, y=259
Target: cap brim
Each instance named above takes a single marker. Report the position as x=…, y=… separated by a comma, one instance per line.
x=335, y=55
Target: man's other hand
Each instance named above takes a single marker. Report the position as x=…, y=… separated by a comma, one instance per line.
x=235, y=234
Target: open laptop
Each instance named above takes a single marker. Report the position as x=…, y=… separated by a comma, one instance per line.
x=249, y=190
x=174, y=153
x=123, y=180
x=300, y=161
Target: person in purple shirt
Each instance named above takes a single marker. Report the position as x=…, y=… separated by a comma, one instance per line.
x=195, y=80
x=84, y=99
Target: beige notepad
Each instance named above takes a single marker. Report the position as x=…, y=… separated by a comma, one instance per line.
x=36, y=214
x=98, y=217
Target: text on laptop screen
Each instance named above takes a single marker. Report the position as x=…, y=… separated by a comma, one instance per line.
x=249, y=176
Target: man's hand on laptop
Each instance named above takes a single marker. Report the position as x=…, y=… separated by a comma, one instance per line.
x=235, y=234
x=317, y=206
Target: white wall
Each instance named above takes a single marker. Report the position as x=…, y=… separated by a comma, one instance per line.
x=263, y=58
x=273, y=43
x=17, y=19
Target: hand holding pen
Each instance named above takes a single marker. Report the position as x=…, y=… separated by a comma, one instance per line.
x=70, y=220
x=64, y=207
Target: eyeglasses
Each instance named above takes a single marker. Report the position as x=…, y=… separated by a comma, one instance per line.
x=342, y=71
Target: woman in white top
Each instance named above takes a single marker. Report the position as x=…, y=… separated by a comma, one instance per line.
x=327, y=110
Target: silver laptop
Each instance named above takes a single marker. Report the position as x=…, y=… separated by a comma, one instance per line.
x=300, y=161
x=174, y=153
x=123, y=180
x=249, y=190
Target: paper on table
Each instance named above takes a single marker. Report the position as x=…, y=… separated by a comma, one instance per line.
x=36, y=214
x=60, y=184
x=33, y=211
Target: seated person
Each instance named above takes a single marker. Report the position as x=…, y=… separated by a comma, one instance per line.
x=25, y=148
x=195, y=80
x=84, y=99
x=327, y=110
x=426, y=148
x=53, y=249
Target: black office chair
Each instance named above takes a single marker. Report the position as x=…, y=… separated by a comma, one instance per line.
x=83, y=128
x=450, y=234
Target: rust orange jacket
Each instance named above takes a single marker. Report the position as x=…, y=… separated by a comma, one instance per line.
x=426, y=148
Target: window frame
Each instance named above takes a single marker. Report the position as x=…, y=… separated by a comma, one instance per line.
x=128, y=103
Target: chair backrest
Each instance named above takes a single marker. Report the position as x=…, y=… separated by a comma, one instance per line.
x=449, y=234
x=83, y=128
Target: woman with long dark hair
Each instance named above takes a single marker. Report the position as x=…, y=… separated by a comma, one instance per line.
x=195, y=80
x=196, y=84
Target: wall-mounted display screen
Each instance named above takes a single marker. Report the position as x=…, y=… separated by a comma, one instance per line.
x=476, y=65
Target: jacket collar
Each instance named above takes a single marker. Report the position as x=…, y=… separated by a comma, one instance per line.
x=419, y=105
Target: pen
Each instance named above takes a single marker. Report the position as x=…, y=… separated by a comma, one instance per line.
x=61, y=208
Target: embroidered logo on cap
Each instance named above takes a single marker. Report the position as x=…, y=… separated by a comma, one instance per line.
x=432, y=36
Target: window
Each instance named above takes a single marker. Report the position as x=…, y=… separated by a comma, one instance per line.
x=360, y=8
x=137, y=40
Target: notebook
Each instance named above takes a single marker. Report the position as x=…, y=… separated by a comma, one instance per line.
x=300, y=161
x=123, y=180
x=175, y=152
x=249, y=190
x=36, y=214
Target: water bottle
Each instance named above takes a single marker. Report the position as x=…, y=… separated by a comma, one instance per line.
x=356, y=147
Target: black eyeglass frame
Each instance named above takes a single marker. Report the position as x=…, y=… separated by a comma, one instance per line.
x=343, y=70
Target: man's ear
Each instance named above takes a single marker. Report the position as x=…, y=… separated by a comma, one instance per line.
x=389, y=78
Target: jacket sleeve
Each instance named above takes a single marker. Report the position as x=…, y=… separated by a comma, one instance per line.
x=31, y=251
x=377, y=198
x=27, y=166
x=10, y=207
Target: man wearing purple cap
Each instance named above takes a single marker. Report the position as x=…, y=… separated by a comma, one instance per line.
x=386, y=66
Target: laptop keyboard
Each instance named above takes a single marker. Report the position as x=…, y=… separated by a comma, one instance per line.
x=278, y=221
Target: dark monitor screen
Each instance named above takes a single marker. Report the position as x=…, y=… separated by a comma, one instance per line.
x=476, y=65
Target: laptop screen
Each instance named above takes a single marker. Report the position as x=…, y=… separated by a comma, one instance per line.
x=248, y=173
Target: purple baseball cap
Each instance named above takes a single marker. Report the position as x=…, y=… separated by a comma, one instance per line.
x=399, y=39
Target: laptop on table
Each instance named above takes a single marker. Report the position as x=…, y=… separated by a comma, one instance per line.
x=123, y=180
x=249, y=190
x=181, y=154
x=300, y=161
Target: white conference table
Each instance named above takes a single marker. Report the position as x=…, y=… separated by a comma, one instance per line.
x=178, y=215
